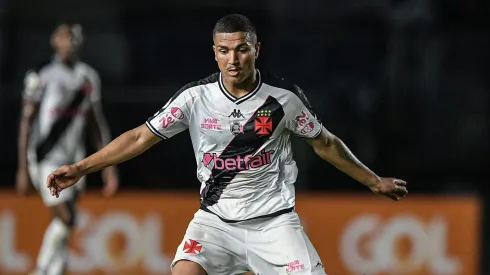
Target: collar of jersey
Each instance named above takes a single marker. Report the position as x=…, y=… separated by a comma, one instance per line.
x=243, y=98
x=57, y=59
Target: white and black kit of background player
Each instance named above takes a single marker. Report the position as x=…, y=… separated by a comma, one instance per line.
x=65, y=94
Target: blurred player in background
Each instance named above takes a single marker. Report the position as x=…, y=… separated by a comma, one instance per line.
x=240, y=121
x=59, y=101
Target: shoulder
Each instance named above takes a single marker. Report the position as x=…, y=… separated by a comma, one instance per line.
x=89, y=70
x=199, y=83
x=37, y=74
x=42, y=68
x=194, y=88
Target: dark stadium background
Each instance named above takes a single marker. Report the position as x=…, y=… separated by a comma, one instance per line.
x=404, y=83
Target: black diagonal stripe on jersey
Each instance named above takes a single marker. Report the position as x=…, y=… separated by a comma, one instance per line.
x=241, y=145
x=59, y=127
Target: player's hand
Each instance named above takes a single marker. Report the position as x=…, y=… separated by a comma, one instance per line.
x=111, y=181
x=391, y=188
x=23, y=182
x=62, y=178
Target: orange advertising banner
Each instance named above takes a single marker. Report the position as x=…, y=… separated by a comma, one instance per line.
x=138, y=233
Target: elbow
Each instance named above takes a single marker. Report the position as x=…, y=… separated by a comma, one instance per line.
x=143, y=137
x=325, y=144
x=328, y=141
x=331, y=140
x=137, y=137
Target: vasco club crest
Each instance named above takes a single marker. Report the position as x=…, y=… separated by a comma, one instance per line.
x=263, y=122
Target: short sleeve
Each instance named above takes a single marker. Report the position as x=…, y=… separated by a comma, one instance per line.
x=301, y=120
x=33, y=86
x=173, y=117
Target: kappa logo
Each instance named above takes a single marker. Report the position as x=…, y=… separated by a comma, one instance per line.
x=236, y=114
x=263, y=122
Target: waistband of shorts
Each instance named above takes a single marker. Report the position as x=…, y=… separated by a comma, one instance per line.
x=272, y=215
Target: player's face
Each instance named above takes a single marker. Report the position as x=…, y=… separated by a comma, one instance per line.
x=236, y=53
x=62, y=41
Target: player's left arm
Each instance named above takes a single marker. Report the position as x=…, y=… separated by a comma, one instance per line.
x=101, y=135
x=304, y=123
x=333, y=150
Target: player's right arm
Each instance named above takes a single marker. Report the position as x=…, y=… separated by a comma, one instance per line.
x=31, y=95
x=170, y=120
x=126, y=146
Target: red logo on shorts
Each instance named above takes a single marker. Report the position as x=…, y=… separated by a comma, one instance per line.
x=192, y=247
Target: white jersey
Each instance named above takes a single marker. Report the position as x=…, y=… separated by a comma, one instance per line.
x=65, y=94
x=242, y=145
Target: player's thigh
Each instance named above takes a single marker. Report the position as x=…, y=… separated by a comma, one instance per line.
x=213, y=245
x=65, y=211
x=284, y=248
x=185, y=267
x=34, y=175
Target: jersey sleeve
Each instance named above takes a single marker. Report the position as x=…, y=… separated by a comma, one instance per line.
x=301, y=120
x=95, y=95
x=173, y=117
x=33, y=86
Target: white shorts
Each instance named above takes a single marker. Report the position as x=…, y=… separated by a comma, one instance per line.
x=39, y=173
x=265, y=246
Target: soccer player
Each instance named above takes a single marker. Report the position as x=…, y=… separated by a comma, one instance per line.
x=59, y=100
x=240, y=121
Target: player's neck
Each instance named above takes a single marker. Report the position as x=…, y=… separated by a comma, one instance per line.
x=243, y=88
x=68, y=60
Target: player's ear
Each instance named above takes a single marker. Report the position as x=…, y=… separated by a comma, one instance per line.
x=52, y=40
x=257, y=49
x=214, y=50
